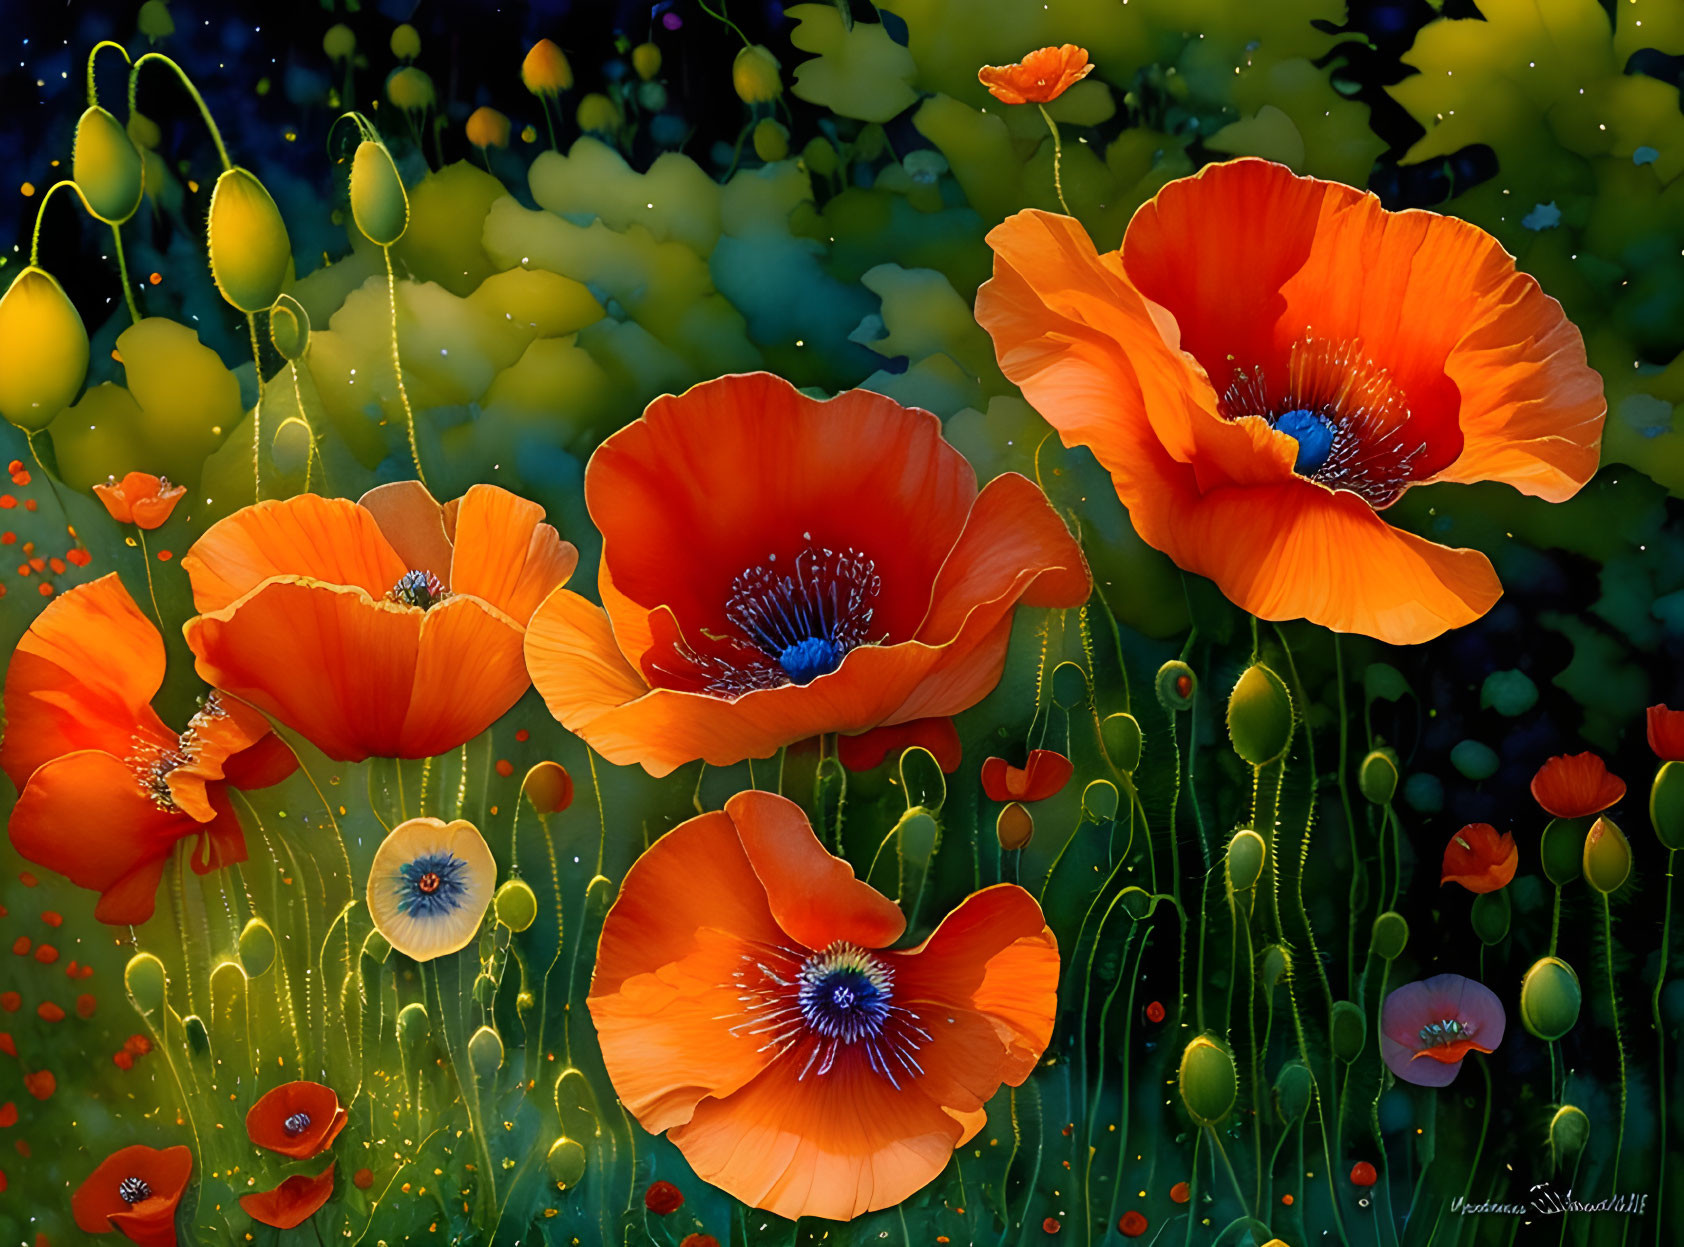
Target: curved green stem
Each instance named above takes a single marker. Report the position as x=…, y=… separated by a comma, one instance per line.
x=397, y=367
x=256, y=413
x=123, y=269
x=93, y=91
x=1619, y=1040
x=1239, y=1192
x=199, y=100
x=1058, y=157
x=41, y=214
x=146, y=561
x=721, y=17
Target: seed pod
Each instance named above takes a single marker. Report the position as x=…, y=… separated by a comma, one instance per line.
x=1561, y=849
x=516, y=904
x=1100, y=800
x=1569, y=1132
x=1208, y=1082
x=1015, y=826
x=379, y=204
x=566, y=1161
x=917, y=836
x=485, y=1052
x=545, y=70
x=249, y=247
x=1246, y=853
x=1260, y=716
x=487, y=128
x=755, y=75
x=922, y=779
x=1489, y=916
x=1377, y=777
x=1176, y=685
x=549, y=787
x=1293, y=1086
x=1666, y=804
x=257, y=948
x=1348, y=1030
x=290, y=446
x=1390, y=936
x=289, y=328
x=147, y=983
x=1550, y=998
x=43, y=350
x=1607, y=856
x=107, y=166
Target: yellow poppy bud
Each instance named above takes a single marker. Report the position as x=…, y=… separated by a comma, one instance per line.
x=549, y=787
x=566, y=1162
x=249, y=247
x=289, y=328
x=107, y=166
x=1260, y=716
x=1607, y=856
x=488, y=128
x=1208, y=1082
x=755, y=75
x=646, y=60
x=43, y=350
x=1015, y=827
x=771, y=140
x=545, y=70
x=339, y=42
x=406, y=42
x=378, y=202
x=154, y=20
x=410, y=89
x=597, y=113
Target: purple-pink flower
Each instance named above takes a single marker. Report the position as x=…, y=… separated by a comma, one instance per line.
x=1427, y=1028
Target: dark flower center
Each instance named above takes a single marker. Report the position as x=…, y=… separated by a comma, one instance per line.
x=419, y=589
x=431, y=885
x=132, y=1190
x=1447, y=1031
x=296, y=1125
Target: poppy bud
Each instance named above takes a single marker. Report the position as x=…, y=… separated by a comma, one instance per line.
x=598, y=115
x=1137, y=903
x=545, y=70
x=43, y=350
x=1293, y=1088
x=143, y=131
x=549, y=787
x=1121, y=736
x=1561, y=849
x=339, y=42
x=1390, y=935
x=485, y=1053
x=1348, y=1030
x=198, y=1037
x=413, y=1024
x=755, y=75
x=566, y=1161
x=1489, y=916
x=1666, y=804
x=290, y=446
x=1208, y=1082
x=377, y=947
x=771, y=143
x=1550, y=998
x=653, y=96
x=249, y=247
x=1260, y=716
x=820, y=156
x=289, y=328
x=106, y=166
x=1569, y=1132
x=410, y=89
x=1277, y=964
x=406, y=42
x=379, y=204
x=1069, y=683
x=1015, y=827
x=1176, y=685
x=922, y=779
x=488, y=128
x=257, y=948
x=1100, y=800
x=646, y=60
x=1607, y=857
x=154, y=20
x=516, y=904
x=917, y=836
x=1246, y=852
x=1377, y=777
x=147, y=983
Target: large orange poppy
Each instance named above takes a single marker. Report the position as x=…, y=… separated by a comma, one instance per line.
x=1270, y=361
x=105, y=789
x=390, y=626
x=775, y=567
x=746, y=1005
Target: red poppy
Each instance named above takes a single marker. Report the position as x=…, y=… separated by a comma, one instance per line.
x=1666, y=733
x=1576, y=786
x=291, y=1203
x=296, y=1119
x=1364, y=1174
x=1479, y=859
x=390, y=626
x=775, y=567
x=867, y=751
x=105, y=788
x=135, y=1191
x=747, y=1005
x=1043, y=775
x=1039, y=78
x=1428, y=1028
x=1270, y=361
x=140, y=499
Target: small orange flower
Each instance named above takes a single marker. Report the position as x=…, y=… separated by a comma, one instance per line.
x=867, y=751
x=1666, y=733
x=135, y=1191
x=1479, y=859
x=390, y=627
x=1270, y=361
x=296, y=1119
x=1043, y=775
x=767, y=577
x=291, y=1203
x=1039, y=78
x=140, y=499
x=1576, y=786
x=747, y=1005
x=105, y=789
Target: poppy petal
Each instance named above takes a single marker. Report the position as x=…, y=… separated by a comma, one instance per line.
x=1666, y=733
x=291, y=1203
x=221, y=841
x=1043, y=775
x=505, y=555
x=265, y=763
x=313, y=1110
x=219, y=731
x=469, y=669
x=412, y=522
x=1479, y=859
x=867, y=751
x=1576, y=786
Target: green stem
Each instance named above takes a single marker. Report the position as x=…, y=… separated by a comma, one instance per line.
x=256, y=413
x=123, y=269
x=1058, y=157
x=397, y=367
x=721, y=17
x=1619, y=1041
x=93, y=91
x=1555, y=920
x=1660, y=1046
x=146, y=561
x=41, y=213
x=1227, y=1164
x=1484, y=1124
x=204, y=110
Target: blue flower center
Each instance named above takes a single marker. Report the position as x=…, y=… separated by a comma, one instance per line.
x=296, y=1125
x=845, y=994
x=419, y=589
x=1449, y=1030
x=808, y=659
x=431, y=885
x=1314, y=434
x=132, y=1190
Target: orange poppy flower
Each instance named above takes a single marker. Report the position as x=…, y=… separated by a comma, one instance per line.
x=1042, y=775
x=746, y=1005
x=775, y=567
x=1039, y=78
x=1270, y=361
x=1479, y=859
x=1666, y=733
x=140, y=499
x=135, y=1191
x=390, y=626
x=296, y=1119
x=291, y=1203
x=1576, y=786
x=867, y=751
x=105, y=789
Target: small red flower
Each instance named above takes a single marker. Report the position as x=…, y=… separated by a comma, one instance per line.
x=1155, y=1012
x=140, y=499
x=866, y=751
x=1132, y=1224
x=1666, y=733
x=1363, y=1174
x=1479, y=859
x=662, y=1198
x=291, y=1203
x=135, y=1191
x=296, y=1119
x=1042, y=776
x=1051, y=1225
x=1576, y=786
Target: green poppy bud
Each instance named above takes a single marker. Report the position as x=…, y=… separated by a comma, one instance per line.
x=1293, y=1090
x=921, y=778
x=411, y=89
x=339, y=42
x=1122, y=738
x=1209, y=1084
x=1666, y=804
x=1246, y=852
x=257, y=948
x=1277, y=964
x=413, y=1025
x=1377, y=777
x=1569, y=1132
x=917, y=835
x=379, y=204
x=646, y=60
x=485, y=1053
x=249, y=247
x=1348, y=1030
x=154, y=20
x=1100, y=800
x=1607, y=856
x=1260, y=716
x=819, y=156
x=598, y=114
x=755, y=75
x=43, y=350
x=1550, y=998
x=106, y=166
x=147, y=983
x=406, y=42
x=1069, y=686
x=1015, y=826
x=1390, y=935
x=516, y=904
x=289, y=328
x=566, y=1161
x=1176, y=685
x=1561, y=849
x=1489, y=916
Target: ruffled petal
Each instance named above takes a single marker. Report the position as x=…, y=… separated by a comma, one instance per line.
x=97, y=1207
x=291, y=1203
x=505, y=555
x=412, y=522
x=1576, y=786
x=223, y=729
x=469, y=669
x=868, y=750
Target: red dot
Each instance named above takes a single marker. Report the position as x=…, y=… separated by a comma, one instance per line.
x=85, y=1005
x=363, y=1179
x=164, y=556
x=53, y=918
x=44, y=589
x=28, y=880
x=1180, y=1193
x=22, y=1146
x=1287, y=1199
x=8, y=1114
x=1132, y=1224
x=11, y=1002
x=523, y=735
x=1364, y=1174
x=122, y=1060
x=7, y=1045
x=140, y=1045
x=22, y=945
x=662, y=1198
x=41, y=1084
x=505, y=768
x=1050, y=1225
x=46, y=954
x=49, y=1012
x=1155, y=1012
x=1184, y=685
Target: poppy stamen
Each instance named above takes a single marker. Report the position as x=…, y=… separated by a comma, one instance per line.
x=420, y=589
x=431, y=885
x=152, y=763
x=133, y=1190
x=806, y=619
x=1446, y=1031
x=296, y=1125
